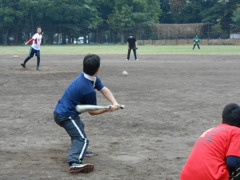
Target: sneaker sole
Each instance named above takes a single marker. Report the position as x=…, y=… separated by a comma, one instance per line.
x=84, y=169
x=89, y=155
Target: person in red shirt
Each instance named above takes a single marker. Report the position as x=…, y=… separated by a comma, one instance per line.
x=216, y=153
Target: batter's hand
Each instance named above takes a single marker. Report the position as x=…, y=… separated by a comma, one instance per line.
x=114, y=107
x=26, y=43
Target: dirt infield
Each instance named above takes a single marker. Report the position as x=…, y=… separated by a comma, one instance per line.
x=170, y=100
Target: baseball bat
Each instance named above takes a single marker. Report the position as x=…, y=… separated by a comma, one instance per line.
x=88, y=108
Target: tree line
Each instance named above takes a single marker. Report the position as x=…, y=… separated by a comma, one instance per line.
x=74, y=18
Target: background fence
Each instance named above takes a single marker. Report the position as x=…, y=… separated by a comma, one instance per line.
x=156, y=34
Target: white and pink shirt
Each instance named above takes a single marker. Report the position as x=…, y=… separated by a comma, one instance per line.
x=36, y=39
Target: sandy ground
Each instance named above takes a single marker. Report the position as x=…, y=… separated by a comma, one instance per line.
x=170, y=100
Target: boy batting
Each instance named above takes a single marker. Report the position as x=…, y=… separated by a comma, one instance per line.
x=35, y=48
x=81, y=91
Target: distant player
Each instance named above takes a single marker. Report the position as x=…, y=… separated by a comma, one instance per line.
x=132, y=45
x=196, y=42
x=81, y=91
x=35, y=48
x=216, y=153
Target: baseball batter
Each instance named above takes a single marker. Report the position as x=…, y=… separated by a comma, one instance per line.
x=196, y=42
x=216, y=153
x=35, y=48
x=81, y=91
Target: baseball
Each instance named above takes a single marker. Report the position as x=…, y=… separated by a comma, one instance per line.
x=124, y=73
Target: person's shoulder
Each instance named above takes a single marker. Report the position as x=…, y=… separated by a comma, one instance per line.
x=231, y=128
x=35, y=35
x=98, y=78
x=80, y=76
x=80, y=82
x=234, y=131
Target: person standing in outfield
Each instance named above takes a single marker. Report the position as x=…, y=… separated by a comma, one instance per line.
x=132, y=45
x=35, y=48
x=216, y=153
x=196, y=41
x=81, y=91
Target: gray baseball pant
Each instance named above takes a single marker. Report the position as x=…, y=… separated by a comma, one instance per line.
x=75, y=129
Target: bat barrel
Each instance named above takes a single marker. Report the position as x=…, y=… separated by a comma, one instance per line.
x=87, y=108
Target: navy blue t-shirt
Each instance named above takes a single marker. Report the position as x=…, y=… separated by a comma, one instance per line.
x=80, y=91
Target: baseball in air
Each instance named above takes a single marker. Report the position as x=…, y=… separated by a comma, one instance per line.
x=124, y=73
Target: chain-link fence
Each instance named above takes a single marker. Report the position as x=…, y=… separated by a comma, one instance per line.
x=157, y=34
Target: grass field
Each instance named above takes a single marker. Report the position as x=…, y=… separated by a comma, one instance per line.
x=122, y=49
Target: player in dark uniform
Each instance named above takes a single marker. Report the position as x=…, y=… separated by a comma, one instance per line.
x=132, y=45
x=196, y=41
x=81, y=91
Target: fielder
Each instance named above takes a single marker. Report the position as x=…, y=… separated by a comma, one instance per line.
x=35, y=48
x=132, y=45
x=81, y=91
x=216, y=153
x=196, y=41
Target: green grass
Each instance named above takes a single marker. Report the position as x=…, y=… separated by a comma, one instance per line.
x=122, y=49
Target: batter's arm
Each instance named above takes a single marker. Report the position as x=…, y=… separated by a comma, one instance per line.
x=93, y=113
x=109, y=96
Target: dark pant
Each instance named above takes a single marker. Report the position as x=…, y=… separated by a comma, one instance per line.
x=31, y=54
x=75, y=129
x=196, y=45
x=134, y=51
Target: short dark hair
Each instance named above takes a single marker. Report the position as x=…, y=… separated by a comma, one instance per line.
x=231, y=114
x=91, y=64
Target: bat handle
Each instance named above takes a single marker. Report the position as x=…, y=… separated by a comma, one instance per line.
x=121, y=107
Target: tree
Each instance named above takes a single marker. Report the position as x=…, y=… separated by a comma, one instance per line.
x=236, y=18
x=190, y=12
x=220, y=15
x=10, y=20
x=176, y=6
x=166, y=16
x=128, y=14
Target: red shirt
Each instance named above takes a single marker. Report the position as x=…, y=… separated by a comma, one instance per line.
x=207, y=161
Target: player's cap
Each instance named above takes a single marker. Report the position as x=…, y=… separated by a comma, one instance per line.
x=131, y=34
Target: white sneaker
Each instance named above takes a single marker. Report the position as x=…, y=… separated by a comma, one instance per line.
x=81, y=168
x=136, y=59
x=127, y=59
